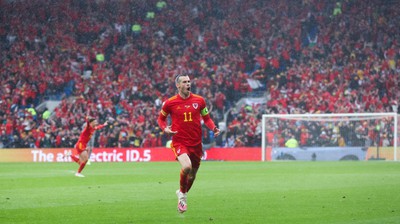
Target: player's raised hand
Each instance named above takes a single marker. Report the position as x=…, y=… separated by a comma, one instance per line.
x=168, y=131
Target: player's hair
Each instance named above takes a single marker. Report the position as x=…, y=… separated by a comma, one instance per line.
x=91, y=119
x=178, y=76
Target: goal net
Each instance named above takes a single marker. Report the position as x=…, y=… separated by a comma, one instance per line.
x=330, y=137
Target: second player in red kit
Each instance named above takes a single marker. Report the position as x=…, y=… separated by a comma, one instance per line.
x=81, y=145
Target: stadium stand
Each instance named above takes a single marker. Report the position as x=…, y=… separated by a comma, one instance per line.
x=117, y=59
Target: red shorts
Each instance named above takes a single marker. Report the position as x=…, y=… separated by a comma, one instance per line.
x=80, y=147
x=194, y=152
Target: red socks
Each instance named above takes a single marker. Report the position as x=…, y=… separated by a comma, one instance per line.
x=189, y=184
x=83, y=164
x=183, y=181
x=74, y=158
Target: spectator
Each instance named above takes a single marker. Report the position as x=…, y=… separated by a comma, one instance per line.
x=351, y=65
x=292, y=142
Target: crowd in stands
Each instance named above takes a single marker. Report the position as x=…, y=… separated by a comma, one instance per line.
x=116, y=60
x=330, y=132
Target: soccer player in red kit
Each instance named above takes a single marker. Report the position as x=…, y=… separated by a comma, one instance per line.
x=186, y=111
x=81, y=145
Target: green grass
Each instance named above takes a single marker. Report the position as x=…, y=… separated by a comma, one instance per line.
x=224, y=192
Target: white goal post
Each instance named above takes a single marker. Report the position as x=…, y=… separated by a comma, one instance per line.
x=318, y=137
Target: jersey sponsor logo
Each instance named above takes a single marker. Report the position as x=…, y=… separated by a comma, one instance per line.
x=195, y=105
x=187, y=106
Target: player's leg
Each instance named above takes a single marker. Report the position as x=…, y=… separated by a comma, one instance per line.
x=83, y=157
x=89, y=154
x=73, y=157
x=191, y=178
x=195, y=155
x=90, y=148
x=186, y=167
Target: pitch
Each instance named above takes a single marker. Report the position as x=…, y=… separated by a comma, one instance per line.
x=224, y=192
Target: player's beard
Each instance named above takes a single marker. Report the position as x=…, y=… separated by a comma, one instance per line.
x=185, y=91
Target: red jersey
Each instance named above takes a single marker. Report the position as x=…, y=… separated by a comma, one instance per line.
x=186, y=117
x=87, y=133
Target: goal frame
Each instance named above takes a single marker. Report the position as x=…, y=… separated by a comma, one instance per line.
x=266, y=116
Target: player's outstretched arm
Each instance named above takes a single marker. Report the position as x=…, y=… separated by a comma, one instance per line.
x=101, y=126
x=210, y=124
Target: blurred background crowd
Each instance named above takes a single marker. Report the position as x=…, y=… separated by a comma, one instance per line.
x=116, y=61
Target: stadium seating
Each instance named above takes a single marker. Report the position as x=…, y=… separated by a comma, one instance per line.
x=304, y=56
